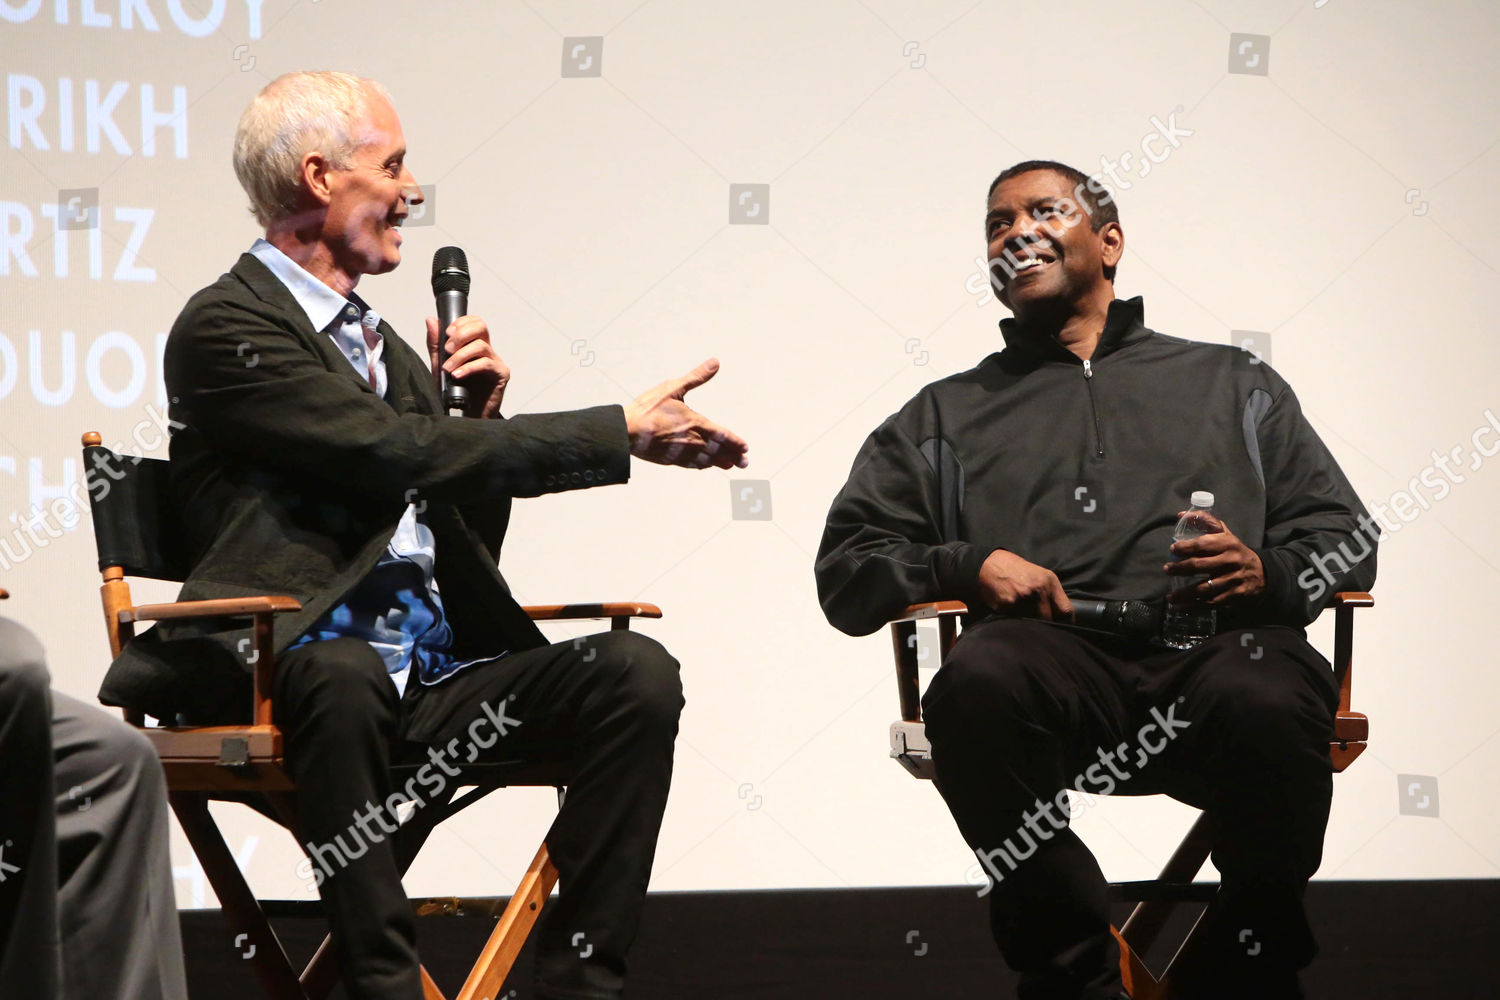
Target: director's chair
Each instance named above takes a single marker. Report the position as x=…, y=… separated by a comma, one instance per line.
x=1156, y=899
x=137, y=534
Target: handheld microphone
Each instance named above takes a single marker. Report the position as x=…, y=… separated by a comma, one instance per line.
x=450, y=285
x=1129, y=618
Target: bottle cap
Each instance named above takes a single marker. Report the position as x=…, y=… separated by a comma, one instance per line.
x=1202, y=498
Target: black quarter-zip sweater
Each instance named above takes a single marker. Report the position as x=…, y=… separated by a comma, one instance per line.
x=1081, y=467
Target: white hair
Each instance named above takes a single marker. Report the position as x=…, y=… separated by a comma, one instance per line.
x=297, y=114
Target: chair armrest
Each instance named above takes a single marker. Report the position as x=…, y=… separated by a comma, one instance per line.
x=619, y=613
x=932, y=609
x=1352, y=599
x=259, y=608
x=223, y=608
x=904, y=645
x=903, y=640
x=568, y=612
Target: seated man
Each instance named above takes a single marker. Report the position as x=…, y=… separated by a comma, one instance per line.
x=86, y=907
x=1057, y=467
x=311, y=458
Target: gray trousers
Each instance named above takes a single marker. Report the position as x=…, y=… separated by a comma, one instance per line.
x=86, y=903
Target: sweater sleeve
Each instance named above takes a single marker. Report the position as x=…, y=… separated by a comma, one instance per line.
x=882, y=547
x=255, y=391
x=1319, y=539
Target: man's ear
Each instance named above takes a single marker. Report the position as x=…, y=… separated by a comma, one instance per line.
x=1113, y=240
x=315, y=178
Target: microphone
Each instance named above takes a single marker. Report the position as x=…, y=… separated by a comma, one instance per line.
x=450, y=285
x=1129, y=618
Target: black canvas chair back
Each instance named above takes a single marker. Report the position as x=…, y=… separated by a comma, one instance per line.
x=135, y=524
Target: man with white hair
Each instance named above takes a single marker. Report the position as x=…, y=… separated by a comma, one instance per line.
x=312, y=459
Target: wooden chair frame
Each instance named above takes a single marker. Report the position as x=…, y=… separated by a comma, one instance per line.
x=203, y=763
x=1156, y=899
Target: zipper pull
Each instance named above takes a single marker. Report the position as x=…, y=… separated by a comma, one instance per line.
x=1088, y=369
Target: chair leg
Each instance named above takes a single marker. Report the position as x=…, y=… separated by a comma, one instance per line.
x=1148, y=918
x=1181, y=948
x=277, y=978
x=500, y=951
x=320, y=975
x=430, y=989
x=1139, y=981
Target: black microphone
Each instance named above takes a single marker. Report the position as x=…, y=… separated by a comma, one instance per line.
x=1129, y=618
x=450, y=284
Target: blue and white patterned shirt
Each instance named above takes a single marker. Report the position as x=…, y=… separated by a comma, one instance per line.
x=396, y=608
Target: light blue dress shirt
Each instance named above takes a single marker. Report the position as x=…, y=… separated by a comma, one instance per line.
x=396, y=608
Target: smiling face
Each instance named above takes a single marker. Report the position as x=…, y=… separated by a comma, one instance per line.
x=1045, y=258
x=367, y=199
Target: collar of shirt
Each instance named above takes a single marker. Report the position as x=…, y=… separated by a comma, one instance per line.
x=352, y=324
x=1124, y=324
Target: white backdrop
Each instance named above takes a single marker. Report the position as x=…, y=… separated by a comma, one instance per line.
x=1322, y=186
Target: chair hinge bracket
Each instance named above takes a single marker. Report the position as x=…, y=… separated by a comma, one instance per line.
x=234, y=751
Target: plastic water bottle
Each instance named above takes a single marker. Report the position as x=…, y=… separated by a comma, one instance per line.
x=1184, y=626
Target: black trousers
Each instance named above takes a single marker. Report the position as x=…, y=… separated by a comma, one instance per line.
x=608, y=703
x=1022, y=710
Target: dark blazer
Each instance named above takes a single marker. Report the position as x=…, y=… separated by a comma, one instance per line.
x=291, y=474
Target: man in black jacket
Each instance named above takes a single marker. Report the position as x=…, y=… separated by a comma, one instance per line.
x=311, y=457
x=1057, y=468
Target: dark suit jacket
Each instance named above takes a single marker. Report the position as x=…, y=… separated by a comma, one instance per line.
x=291, y=474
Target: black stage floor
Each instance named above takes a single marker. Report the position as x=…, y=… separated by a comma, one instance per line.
x=1380, y=941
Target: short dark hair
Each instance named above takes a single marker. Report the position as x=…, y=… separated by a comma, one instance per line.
x=1096, y=198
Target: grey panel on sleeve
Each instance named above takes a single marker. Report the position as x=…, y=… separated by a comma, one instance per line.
x=950, y=476
x=1256, y=408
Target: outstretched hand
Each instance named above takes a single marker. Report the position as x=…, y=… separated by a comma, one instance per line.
x=665, y=430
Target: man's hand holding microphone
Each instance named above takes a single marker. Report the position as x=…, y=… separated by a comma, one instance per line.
x=1010, y=585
